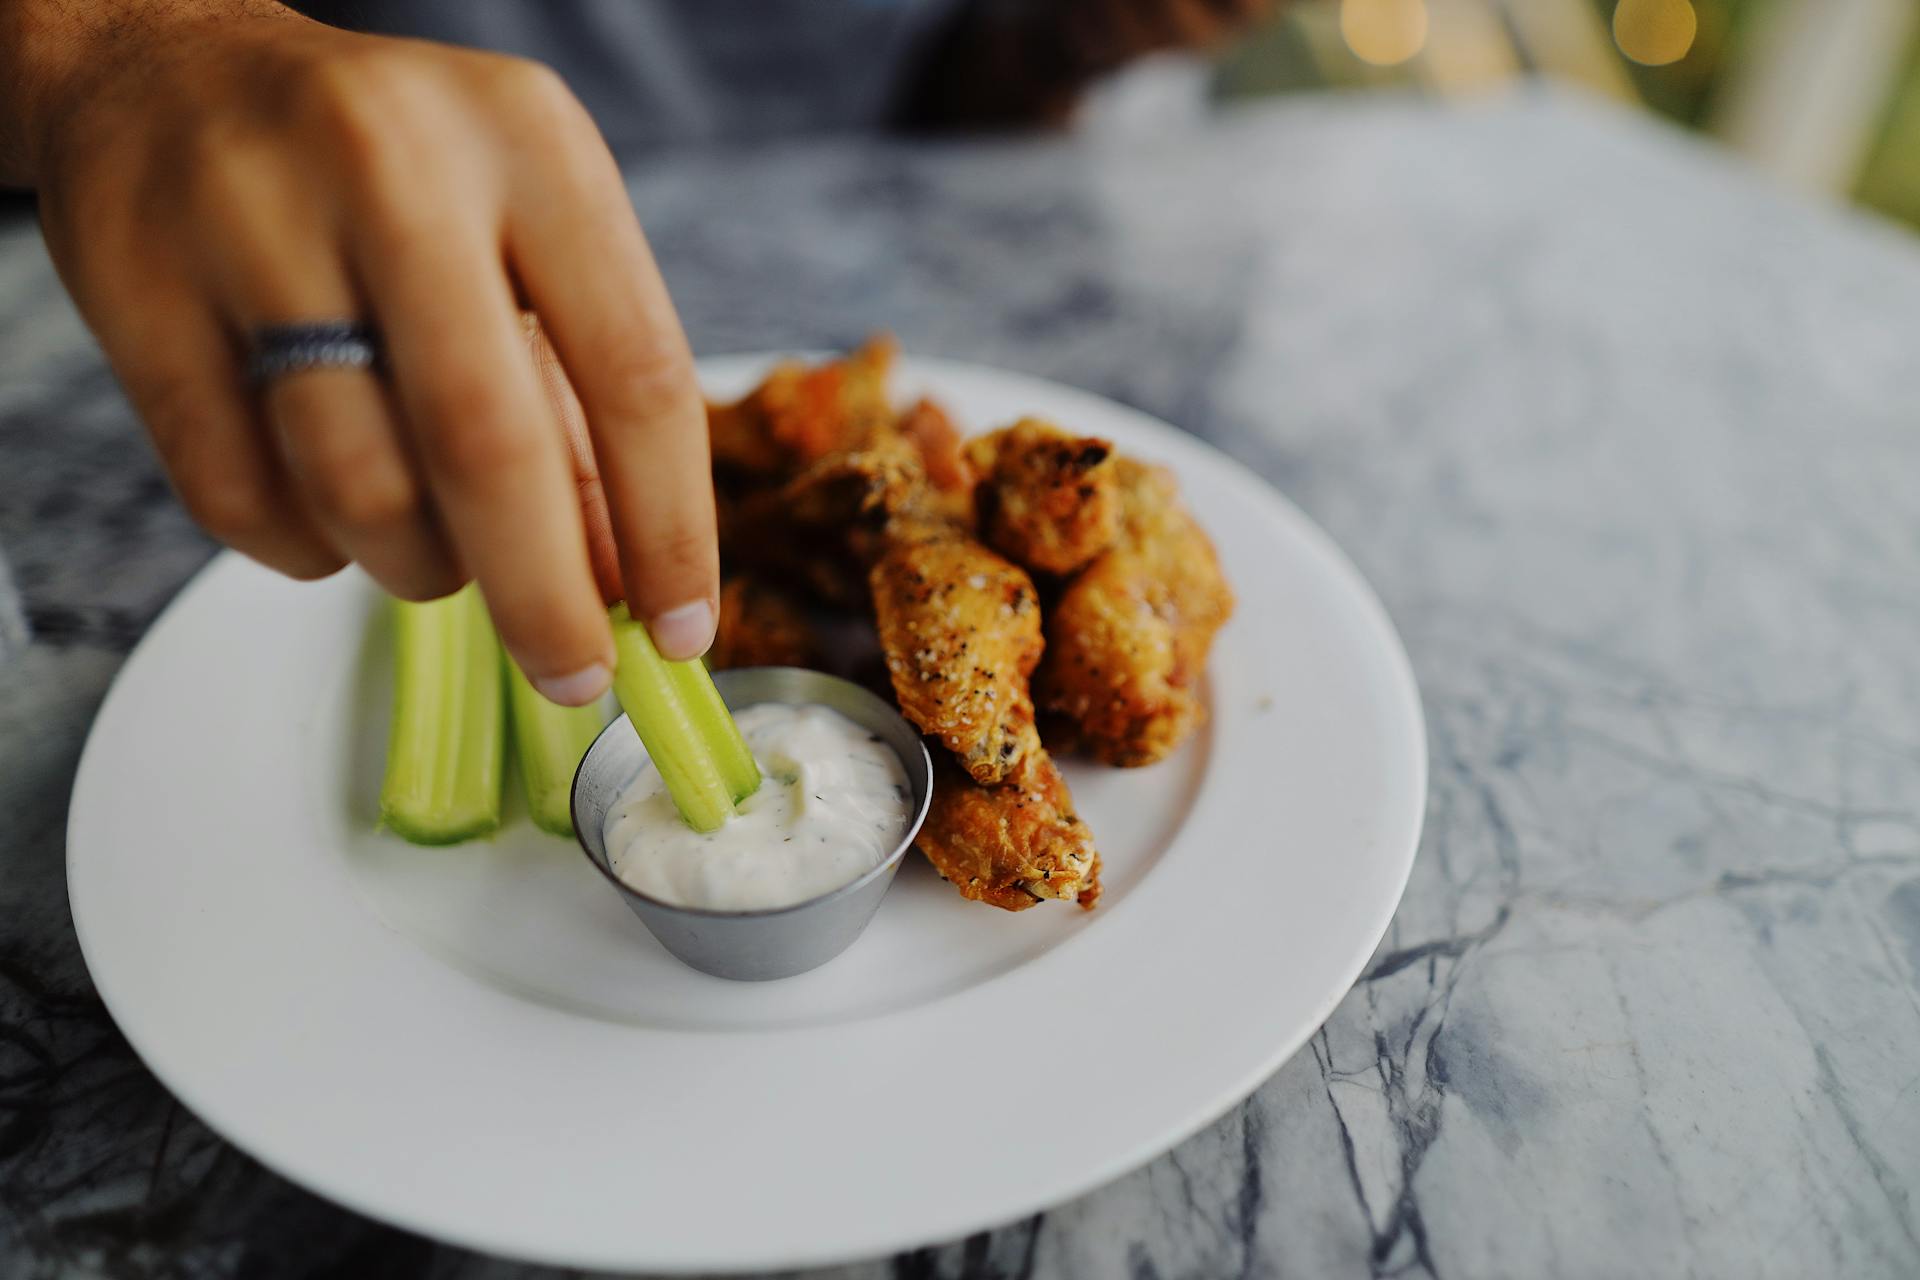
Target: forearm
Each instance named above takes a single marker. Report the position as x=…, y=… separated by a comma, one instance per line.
x=53, y=53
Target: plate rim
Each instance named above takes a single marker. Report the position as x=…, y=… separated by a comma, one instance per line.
x=1407, y=703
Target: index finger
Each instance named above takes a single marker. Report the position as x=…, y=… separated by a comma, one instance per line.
x=586, y=472
x=586, y=268
x=492, y=452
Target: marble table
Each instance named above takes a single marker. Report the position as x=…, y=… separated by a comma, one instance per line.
x=1630, y=446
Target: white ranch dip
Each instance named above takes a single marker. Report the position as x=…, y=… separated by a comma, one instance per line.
x=832, y=804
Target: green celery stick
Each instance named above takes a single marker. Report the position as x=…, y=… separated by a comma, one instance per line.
x=549, y=740
x=448, y=739
x=730, y=752
x=680, y=729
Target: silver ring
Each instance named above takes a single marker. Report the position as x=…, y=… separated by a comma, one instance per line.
x=281, y=349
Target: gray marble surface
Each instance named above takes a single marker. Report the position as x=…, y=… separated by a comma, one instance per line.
x=1629, y=446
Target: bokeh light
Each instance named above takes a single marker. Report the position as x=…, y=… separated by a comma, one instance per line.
x=1384, y=32
x=1654, y=32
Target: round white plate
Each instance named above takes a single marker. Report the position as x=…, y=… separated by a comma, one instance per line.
x=481, y=1044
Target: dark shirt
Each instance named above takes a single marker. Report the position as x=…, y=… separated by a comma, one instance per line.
x=660, y=72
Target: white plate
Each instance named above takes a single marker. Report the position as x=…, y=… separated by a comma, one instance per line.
x=479, y=1043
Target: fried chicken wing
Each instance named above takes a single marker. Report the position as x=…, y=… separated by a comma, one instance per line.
x=960, y=627
x=1046, y=499
x=868, y=486
x=1127, y=641
x=822, y=529
x=943, y=460
x=800, y=414
x=1012, y=845
x=761, y=626
x=931, y=430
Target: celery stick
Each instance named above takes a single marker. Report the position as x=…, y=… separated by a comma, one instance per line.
x=448, y=738
x=709, y=711
x=680, y=731
x=549, y=740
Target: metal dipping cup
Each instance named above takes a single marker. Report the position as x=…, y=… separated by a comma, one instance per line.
x=777, y=942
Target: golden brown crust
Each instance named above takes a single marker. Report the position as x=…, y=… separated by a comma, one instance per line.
x=1127, y=641
x=825, y=490
x=1012, y=845
x=800, y=414
x=1046, y=499
x=931, y=431
x=960, y=627
x=820, y=530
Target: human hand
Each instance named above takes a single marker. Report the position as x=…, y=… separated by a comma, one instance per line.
x=208, y=169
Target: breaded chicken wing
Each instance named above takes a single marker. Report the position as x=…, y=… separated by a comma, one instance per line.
x=1128, y=639
x=761, y=626
x=866, y=486
x=1012, y=845
x=821, y=531
x=948, y=493
x=802, y=413
x=931, y=430
x=960, y=627
x=1046, y=499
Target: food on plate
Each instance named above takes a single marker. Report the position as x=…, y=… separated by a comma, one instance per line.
x=549, y=741
x=843, y=519
x=834, y=805
x=1012, y=845
x=896, y=518
x=761, y=626
x=703, y=763
x=818, y=529
x=1127, y=640
x=960, y=627
x=448, y=734
x=800, y=414
x=1046, y=499
x=932, y=433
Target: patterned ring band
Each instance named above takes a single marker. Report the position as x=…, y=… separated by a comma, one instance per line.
x=320, y=344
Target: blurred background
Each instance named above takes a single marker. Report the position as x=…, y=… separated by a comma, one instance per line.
x=1822, y=94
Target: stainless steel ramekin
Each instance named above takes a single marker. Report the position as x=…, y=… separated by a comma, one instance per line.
x=781, y=941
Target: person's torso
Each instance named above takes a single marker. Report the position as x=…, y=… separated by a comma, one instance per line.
x=659, y=72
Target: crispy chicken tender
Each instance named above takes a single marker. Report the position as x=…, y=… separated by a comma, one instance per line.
x=960, y=627
x=1046, y=499
x=1012, y=845
x=761, y=626
x=1127, y=642
x=800, y=414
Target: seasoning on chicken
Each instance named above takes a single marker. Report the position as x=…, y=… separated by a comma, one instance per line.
x=1012, y=845
x=761, y=626
x=802, y=413
x=1046, y=499
x=1127, y=641
x=960, y=627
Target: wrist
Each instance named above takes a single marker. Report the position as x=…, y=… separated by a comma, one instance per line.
x=55, y=54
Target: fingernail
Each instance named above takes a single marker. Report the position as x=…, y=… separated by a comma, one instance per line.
x=683, y=632
x=578, y=689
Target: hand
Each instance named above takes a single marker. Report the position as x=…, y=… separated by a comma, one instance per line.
x=208, y=169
